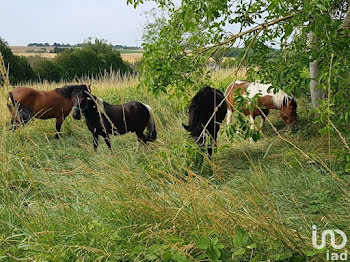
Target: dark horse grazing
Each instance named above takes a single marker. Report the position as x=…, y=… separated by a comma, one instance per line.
x=25, y=103
x=202, y=119
x=104, y=119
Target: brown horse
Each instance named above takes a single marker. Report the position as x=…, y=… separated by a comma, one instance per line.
x=25, y=103
x=267, y=99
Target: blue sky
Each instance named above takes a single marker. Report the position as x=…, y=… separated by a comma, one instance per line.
x=71, y=21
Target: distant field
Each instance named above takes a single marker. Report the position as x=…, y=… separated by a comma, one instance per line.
x=130, y=56
x=28, y=54
x=24, y=49
x=129, y=51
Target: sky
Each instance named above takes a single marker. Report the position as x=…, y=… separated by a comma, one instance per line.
x=71, y=21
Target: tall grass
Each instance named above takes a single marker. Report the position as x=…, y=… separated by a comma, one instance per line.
x=61, y=201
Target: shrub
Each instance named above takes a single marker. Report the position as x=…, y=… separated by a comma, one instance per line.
x=50, y=70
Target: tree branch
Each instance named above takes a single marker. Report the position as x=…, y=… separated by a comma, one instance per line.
x=252, y=30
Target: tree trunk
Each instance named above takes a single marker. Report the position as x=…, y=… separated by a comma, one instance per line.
x=317, y=93
x=346, y=23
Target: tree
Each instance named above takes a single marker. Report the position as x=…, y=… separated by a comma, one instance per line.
x=19, y=67
x=194, y=31
x=317, y=94
x=200, y=26
x=50, y=70
x=91, y=59
x=346, y=24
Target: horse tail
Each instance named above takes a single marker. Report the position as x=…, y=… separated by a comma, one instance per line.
x=11, y=103
x=151, y=134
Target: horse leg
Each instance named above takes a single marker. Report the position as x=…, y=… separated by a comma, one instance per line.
x=211, y=144
x=21, y=116
x=252, y=121
x=229, y=116
x=58, y=127
x=14, y=124
x=252, y=126
x=263, y=117
x=107, y=141
x=141, y=138
x=95, y=140
x=212, y=140
x=12, y=109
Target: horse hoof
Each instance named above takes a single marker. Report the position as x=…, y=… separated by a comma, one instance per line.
x=12, y=128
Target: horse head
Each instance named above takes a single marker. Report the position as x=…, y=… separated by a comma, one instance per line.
x=196, y=133
x=80, y=101
x=289, y=114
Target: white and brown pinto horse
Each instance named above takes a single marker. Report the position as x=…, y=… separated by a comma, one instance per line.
x=267, y=99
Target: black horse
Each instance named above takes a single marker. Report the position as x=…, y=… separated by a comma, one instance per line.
x=206, y=112
x=103, y=119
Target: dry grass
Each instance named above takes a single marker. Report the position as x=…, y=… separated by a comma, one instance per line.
x=230, y=73
x=24, y=49
x=29, y=51
x=42, y=55
x=132, y=57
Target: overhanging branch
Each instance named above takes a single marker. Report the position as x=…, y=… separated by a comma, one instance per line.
x=252, y=30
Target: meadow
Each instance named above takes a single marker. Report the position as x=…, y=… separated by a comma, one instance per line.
x=61, y=201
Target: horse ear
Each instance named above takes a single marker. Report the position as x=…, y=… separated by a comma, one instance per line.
x=89, y=88
x=186, y=127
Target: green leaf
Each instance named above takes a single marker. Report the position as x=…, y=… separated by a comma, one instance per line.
x=203, y=243
x=240, y=252
x=241, y=238
x=321, y=7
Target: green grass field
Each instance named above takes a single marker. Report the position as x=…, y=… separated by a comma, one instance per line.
x=61, y=201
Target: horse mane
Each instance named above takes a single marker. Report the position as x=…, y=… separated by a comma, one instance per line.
x=199, y=107
x=280, y=99
x=100, y=104
x=67, y=91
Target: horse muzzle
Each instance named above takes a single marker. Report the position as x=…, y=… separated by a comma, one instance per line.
x=294, y=128
x=76, y=115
